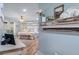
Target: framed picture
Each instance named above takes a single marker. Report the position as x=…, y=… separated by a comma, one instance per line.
x=58, y=10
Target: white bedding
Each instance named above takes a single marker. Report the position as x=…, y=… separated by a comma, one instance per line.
x=71, y=12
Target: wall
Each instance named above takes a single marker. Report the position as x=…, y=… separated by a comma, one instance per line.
x=58, y=42
x=1, y=20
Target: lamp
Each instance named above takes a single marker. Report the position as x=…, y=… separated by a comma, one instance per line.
x=24, y=10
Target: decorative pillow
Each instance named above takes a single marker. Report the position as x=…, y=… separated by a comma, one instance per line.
x=70, y=13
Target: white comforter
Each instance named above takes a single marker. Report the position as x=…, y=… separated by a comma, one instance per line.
x=70, y=13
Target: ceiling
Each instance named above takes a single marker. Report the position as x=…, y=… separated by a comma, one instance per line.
x=15, y=10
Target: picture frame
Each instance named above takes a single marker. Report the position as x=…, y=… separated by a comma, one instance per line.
x=58, y=11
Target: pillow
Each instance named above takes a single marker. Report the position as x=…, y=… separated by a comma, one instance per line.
x=70, y=13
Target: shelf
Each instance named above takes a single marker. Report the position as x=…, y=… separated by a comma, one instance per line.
x=72, y=27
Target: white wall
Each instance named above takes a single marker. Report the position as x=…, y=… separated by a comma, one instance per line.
x=1, y=19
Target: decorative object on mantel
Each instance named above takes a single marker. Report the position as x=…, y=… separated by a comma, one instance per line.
x=40, y=12
x=50, y=18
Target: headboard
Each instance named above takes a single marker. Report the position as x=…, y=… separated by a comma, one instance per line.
x=58, y=11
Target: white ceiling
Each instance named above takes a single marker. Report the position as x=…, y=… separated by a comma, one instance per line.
x=15, y=10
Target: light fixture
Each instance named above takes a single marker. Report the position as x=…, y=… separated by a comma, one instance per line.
x=24, y=10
